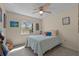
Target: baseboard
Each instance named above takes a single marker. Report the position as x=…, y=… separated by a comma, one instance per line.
x=69, y=48
x=18, y=45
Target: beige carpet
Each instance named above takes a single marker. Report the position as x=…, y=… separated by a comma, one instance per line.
x=57, y=51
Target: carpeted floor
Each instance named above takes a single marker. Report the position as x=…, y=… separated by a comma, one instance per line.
x=57, y=51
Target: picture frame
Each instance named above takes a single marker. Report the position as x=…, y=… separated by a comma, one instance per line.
x=4, y=20
x=14, y=24
x=37, y=26
x=66, y=20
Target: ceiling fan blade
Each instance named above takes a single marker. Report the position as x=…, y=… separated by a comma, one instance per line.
x=48, y=12
x=46, y=5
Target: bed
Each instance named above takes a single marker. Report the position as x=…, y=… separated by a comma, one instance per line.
x=40, y=43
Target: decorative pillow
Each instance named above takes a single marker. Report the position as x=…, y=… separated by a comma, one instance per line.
x=55, y=32
x=44, y=33
x=49, y=34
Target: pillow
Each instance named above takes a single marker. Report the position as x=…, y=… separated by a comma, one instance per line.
x=49, y=34
x=44, y=33
x=54, y=33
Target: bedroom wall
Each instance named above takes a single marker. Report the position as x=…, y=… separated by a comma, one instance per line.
x=14, y=34
x=69, y=33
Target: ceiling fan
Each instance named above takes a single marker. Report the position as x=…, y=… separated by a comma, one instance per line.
x=43, y=9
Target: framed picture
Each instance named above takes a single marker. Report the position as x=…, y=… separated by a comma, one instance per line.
x=37, y=26
x=66, y=20
x=4, y=20
x=14, y=24
x=0, y=15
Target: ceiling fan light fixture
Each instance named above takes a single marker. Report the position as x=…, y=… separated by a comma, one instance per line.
x=41, y=12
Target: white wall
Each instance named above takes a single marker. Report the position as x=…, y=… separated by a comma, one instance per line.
x=14, y=34
x=69, y=33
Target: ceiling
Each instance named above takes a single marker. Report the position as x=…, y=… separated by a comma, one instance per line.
x=28, y=8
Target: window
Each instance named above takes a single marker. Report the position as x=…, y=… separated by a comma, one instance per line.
x=26, y=28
